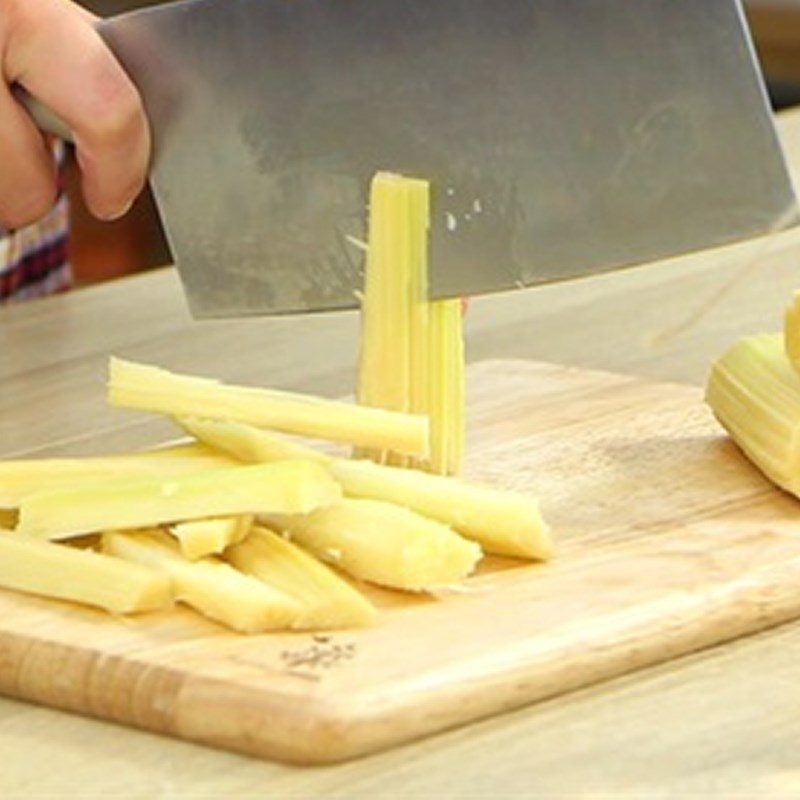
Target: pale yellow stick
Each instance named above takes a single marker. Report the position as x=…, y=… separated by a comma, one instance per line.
x=284, y=487
x=412, y=356
x=384, y=367
x=445, y=384
x=209, y=585
x=19, y=477
x=207, y=537
x=82, y=576
x=248, y=443
x=328, y=601
x=503, y=522
x=152, y=389
x=383, y=543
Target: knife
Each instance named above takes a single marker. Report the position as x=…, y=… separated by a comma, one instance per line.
x=562, y=138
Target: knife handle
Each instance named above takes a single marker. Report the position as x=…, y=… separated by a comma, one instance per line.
x=46, y=119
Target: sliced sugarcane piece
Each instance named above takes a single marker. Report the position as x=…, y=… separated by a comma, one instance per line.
x=328, y=601
x=384, y=373
x=207, y=537
x=283, y=487
x=209, y=585
x=382, y=543
x=503, y=522
x=19, y=477
x=150, y=388
x=445, y=404
x=755, y=394
x=412, y=357
x=82, y=576
x=248, y=443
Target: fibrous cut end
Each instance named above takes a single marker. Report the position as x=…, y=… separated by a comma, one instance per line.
x=755, y=394
x=206, y=537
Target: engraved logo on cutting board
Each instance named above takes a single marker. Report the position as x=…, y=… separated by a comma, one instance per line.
x=322, y=655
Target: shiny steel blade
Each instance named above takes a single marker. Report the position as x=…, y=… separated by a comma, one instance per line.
x=561, y=137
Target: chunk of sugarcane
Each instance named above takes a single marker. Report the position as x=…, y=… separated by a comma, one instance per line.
x=755, y=394
x=149, y=388
x=20, y=477
x=383, y=543
x=82, y=576
x=328, y=601
x=412, y=356
x=282, y=487
x=210, y=586
x=206, y=537
x=501, y=521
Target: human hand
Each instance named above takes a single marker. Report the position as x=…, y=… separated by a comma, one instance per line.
x=50, y=48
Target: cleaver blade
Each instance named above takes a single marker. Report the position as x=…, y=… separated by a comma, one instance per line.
x=562, y=138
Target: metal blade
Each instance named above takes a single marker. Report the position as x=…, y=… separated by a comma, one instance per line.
x=561, y=137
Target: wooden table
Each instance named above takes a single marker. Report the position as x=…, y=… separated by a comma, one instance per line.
x=723, y=723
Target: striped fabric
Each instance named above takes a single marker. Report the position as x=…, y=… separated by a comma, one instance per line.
x=34, y=260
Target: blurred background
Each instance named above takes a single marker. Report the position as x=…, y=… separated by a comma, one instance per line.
x=135, y=243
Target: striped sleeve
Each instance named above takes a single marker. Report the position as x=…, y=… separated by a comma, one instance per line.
x=34, y=260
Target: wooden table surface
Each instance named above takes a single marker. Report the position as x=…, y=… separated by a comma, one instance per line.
x=723, y=723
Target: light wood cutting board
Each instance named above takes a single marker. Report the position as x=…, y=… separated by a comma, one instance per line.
x=669, y=541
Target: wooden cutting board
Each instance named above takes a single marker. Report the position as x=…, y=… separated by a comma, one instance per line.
x=669, y=541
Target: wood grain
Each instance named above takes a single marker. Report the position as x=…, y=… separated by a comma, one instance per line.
x=669, y=542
